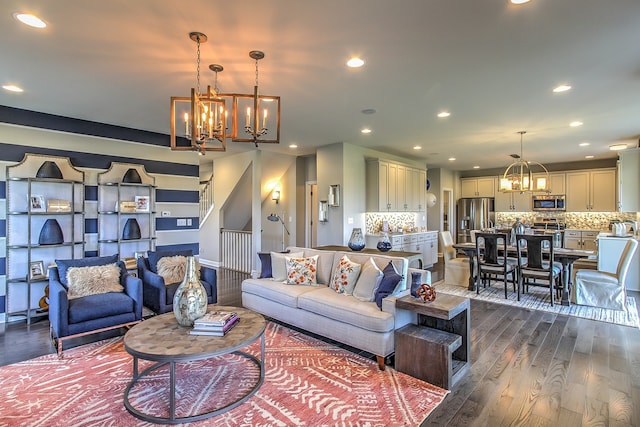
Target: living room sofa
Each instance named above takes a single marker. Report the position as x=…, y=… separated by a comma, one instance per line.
x=339, y=316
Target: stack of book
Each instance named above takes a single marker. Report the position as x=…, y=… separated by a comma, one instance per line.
x=215, y=323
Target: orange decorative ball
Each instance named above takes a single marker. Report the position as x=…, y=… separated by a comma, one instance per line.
x=426, y=292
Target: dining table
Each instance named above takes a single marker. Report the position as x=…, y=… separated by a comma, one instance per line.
x=565, y=256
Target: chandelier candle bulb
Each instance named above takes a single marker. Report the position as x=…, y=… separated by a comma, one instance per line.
x=186, y=124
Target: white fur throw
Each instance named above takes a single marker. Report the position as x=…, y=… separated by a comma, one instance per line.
x=98, y=279
x=173, y=268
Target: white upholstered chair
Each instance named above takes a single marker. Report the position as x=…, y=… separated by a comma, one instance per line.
x=602, y=289
x=456, y=270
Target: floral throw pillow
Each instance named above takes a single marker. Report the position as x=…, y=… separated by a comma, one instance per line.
x=302, y=271
x=345, y=276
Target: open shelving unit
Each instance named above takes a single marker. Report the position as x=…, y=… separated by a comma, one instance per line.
x=126, y=193
x=30, y=202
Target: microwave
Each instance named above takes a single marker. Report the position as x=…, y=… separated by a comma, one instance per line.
x=553, y=202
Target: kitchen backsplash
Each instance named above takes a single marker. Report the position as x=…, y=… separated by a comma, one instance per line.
x=397, y=221
x=573, y=220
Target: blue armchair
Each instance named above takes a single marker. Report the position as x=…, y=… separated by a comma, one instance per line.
x=75, y=317
x=157, y=295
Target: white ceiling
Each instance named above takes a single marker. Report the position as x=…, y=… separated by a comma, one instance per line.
x=490, y=63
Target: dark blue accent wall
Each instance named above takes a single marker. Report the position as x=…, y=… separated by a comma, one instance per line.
x=177, y=196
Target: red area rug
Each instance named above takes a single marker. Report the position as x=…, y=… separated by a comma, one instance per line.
x=307, y=383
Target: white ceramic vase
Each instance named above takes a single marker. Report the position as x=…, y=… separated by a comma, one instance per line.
x=190, y=299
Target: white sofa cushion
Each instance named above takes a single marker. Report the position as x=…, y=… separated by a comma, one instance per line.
x=368, y=282
x=346, y=309
x=276, y=291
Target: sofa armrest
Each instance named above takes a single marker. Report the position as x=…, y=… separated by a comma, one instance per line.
x=58, y=305
x=401, y=317
x=133, y=288
x=209, y=275
x=156, y=282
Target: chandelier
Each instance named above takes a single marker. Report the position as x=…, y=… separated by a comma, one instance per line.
x=518, y=178
x=205, y=114
x=261, y=113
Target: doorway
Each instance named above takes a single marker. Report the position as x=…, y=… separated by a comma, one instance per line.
x=311, y=215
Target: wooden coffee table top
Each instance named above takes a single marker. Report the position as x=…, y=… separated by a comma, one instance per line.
x=161, y=338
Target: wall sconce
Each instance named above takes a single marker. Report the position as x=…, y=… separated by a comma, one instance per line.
x=334, y=195
x=323, y=211
x=275, y=196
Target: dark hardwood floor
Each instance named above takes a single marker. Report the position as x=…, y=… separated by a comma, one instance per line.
x=529, y=368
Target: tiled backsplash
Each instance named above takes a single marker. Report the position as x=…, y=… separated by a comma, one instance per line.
x=573, y=220
x=397, y=220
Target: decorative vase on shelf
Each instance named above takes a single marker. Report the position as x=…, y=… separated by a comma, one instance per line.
x=416, y=281
x=49, y=170
x=131, y=230
x=51, y=233
x=190, y=299
x=356, y=241
x=384, y=244
x=132, y=177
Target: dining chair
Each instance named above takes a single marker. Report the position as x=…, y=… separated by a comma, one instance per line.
x=493, y=262
x=603, y=289
x=536, y=263
x=456, y=270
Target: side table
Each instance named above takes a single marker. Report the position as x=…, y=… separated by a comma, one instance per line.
x=437, y=349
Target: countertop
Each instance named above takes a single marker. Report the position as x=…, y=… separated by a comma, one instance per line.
x=404, y=234
x=611, y=235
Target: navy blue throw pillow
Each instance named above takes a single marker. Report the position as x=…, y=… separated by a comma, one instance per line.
x=265, y=263
x=390, y=279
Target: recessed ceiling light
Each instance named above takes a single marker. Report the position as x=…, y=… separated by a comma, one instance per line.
x=561, y=88
x=519, y=1
x=293, y=145
x=369, y=111
x=576, y=124
x=618, y=147
x=443, y=114
x=30, y=20
x=451, y=159
x=584, y=144
x=417, y=147
x=355, y=63
x=12, y=88
x=476, y=167
x=588, y=157
x=366, y=130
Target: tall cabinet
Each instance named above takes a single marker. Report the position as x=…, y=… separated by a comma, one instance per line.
x=45, y=221
x=126, y=210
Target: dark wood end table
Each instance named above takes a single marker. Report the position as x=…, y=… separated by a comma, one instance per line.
x=437, y=349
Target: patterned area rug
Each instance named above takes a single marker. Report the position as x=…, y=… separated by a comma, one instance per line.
x=307, y=383
x=538, y=298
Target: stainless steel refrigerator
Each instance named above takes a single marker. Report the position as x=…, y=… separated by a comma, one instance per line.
x=474, y=213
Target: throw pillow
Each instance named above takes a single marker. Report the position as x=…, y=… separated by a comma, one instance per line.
x=155, y=256
x=65, y=264
x=345, y=276
x=302, y=271
x=97, y=279
x=390, y=279
x=368, y=281
x=265, y=264
x=173, y=268
x=279, y=266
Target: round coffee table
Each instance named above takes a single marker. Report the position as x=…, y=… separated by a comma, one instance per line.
x=162, y=340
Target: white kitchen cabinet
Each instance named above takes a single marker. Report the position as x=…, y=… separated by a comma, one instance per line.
x=556, y=184
x=581, y=239
x=628, y=188
x=512, y=202
x=609, y=251
x=392, y=187
x=478, y=187
x=430, y=248
x=591, y=190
